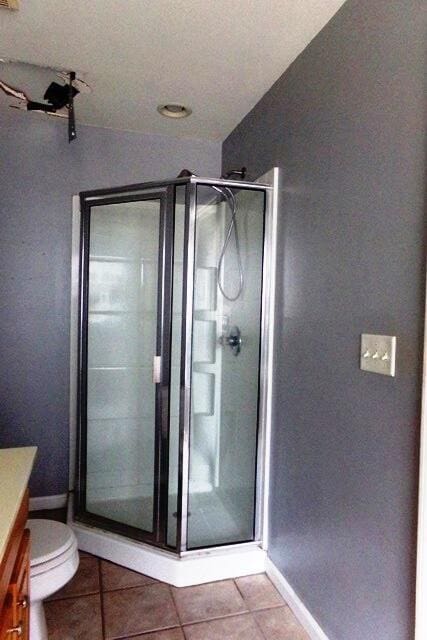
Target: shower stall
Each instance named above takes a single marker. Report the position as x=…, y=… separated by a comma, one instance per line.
x=174, y=347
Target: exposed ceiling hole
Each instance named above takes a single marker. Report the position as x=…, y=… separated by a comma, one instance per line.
x=173, y=110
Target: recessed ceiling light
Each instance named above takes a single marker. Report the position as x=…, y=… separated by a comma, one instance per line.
x=173, y=110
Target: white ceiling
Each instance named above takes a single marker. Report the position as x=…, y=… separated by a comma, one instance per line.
x=216, y=56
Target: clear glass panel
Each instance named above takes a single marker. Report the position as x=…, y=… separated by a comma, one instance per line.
x=122, y=326
x=225, y=366
x=175, y=363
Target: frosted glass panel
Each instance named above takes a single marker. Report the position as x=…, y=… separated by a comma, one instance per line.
x=122, y=320
x=225, y=380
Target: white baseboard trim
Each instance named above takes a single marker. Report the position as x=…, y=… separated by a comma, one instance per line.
x=48, y=502
x=295, y=603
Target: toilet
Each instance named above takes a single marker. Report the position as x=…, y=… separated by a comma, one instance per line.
x=54, y=559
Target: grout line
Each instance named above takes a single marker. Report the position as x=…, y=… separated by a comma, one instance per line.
x=134, y=586
x=232, y=615
x=258, y=626
x=101, y=580
x=71, y=597
x=175, y=605
x=237, y=587
x=227, y=615
x=101, y=598
x=270, y=607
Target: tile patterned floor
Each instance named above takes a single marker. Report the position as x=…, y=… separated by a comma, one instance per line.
x=106, y=602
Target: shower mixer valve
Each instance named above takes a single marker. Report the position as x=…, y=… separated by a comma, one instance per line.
x=233, y=339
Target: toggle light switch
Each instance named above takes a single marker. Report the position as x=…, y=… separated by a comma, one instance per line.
x=378, y=354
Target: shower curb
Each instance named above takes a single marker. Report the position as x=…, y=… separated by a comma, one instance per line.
x=192, y=568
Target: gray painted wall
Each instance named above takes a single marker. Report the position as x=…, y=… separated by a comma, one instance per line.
x=345, y=123
x=39, y=173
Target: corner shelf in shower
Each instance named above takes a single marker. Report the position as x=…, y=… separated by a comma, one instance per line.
x=205, y=295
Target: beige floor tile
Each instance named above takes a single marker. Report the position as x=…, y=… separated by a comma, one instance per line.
x=74, y=618
x=138, y=610
x=116, y=577
x=208, y=601
x=280, y=624
x=258, y=592
x=169, y=634
x=84, y=582
x=241, y=627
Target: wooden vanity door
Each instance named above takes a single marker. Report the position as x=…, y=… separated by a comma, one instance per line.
x=16, y=612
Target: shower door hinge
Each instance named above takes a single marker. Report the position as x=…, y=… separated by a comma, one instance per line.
x=157, y=367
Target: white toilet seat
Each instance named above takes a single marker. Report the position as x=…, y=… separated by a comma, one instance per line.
x=52, y=544
x=49, y=539
x=42, y=567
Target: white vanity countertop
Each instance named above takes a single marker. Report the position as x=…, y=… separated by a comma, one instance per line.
x=15, y=469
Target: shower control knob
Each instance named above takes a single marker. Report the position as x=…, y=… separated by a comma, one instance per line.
x=233, y=339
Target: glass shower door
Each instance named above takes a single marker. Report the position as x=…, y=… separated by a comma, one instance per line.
x=225, y=365
x=122, y=401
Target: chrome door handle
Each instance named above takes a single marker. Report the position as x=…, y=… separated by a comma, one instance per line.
x=157, y=369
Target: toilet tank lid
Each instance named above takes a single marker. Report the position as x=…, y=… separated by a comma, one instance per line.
x=48, y=539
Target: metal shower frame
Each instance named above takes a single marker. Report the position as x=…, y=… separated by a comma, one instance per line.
x=165, y=191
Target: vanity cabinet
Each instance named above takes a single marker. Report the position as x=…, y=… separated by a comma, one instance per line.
x=14, y=579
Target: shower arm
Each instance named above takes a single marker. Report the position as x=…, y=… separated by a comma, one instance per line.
x=235, y=172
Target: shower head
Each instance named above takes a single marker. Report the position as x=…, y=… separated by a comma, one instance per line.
x=235, y=172
x=186, y=173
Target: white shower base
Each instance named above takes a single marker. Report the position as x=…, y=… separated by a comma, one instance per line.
x=192, y=568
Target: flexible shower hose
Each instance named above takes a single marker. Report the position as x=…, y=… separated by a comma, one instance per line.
x=231, y=201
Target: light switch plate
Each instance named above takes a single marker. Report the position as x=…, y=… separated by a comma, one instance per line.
x=378, y=354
